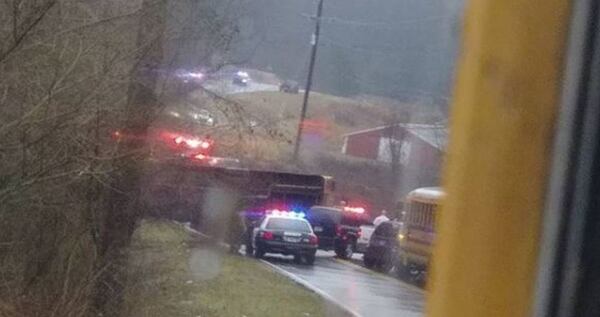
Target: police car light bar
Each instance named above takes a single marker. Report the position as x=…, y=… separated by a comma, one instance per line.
x=286, y=213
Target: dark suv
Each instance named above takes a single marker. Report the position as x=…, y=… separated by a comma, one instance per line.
x=336, y=228
x=383, y=246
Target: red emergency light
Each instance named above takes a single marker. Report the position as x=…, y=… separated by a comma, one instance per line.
x=187, y=141
x=358, y=210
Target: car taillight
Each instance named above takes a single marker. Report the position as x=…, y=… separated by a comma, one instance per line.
x=313, y=239
x=267, y=235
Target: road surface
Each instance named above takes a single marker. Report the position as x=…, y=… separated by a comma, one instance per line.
x=226, y=87
x=361, y=291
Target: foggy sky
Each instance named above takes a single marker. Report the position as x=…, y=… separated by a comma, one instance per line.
x=403, y=49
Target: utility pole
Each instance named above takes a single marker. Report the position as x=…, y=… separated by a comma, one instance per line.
x=313, y=56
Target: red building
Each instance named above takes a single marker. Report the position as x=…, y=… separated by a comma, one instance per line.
x=418, y=148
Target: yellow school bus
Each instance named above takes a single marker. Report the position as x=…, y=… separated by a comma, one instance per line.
x=418, y=233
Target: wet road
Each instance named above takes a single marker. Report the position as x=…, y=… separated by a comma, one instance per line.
x=363, y=292
x=226, y=87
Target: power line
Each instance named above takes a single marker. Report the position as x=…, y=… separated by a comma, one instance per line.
x=388, y=50
x=382, y=24
x=385, y=25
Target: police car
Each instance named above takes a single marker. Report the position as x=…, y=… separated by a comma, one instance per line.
x=287, y=233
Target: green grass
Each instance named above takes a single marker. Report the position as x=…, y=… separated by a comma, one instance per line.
x=174, y=274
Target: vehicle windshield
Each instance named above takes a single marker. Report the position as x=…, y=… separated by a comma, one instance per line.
x=285, y=224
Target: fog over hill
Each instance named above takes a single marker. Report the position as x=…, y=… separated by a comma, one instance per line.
x=404, y=49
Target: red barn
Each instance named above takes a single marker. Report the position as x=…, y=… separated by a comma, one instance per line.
x=420, y=149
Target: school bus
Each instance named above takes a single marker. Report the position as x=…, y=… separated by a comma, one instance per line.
x=418, y=233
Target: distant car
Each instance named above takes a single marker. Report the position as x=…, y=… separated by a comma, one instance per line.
x=241, y=78
x=203, y=116
x=289, y=86
x=382, y=251
x=338, y=229
x=285, y=235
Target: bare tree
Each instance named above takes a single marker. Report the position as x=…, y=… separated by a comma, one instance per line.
x=72, y=72
x=396, y=151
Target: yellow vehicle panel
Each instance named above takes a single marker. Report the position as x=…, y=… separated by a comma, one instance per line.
x=502, y=125
x=421, y=207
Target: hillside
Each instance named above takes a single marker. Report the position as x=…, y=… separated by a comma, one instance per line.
x=328, y=117
x=259, y=129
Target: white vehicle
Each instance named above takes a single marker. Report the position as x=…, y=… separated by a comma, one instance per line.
x=363, y=240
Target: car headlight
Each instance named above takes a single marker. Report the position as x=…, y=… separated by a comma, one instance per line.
x=401, y=236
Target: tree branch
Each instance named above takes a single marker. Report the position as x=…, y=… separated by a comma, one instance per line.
x=18, y=38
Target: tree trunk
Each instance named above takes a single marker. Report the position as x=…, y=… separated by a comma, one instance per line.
x=123, y=207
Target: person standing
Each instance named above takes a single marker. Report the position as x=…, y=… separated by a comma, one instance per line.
x=381, y=218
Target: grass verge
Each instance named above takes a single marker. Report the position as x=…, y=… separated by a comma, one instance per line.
x=172, y=273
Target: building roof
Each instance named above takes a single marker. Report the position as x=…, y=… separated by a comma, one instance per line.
x=427, y=193
x=435, y=135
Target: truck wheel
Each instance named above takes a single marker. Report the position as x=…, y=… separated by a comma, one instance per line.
x=345, y=251
x=340, y=251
